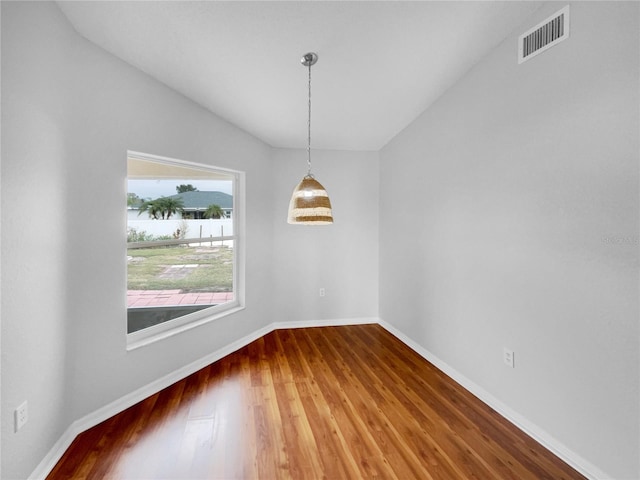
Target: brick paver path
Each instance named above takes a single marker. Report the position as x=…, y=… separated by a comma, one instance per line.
x=148, y=298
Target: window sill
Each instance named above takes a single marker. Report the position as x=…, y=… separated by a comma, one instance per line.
x=168, y=329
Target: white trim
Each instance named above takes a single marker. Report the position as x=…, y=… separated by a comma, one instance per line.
x=336, y=322
x=130, y=399
x=538, y=434
x=187, y=322
x=149, y=157
x=118, y=405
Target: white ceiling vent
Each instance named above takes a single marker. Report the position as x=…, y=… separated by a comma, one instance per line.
x=543, y=36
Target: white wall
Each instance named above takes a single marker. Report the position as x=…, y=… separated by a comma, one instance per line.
x=35, y=263
x=510, y=194
x=341, y=258
x=70, y=112
x=517, y=198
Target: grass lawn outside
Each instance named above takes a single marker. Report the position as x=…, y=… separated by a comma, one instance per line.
x=189, y=269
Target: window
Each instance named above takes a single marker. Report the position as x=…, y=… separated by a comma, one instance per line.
x=183, y=245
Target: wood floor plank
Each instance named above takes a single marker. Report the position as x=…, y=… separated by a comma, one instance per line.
x=357, y=436
x=495, y=429
x=387, y=441
x=338, y=459
x=446, y=407
x=411, y=404
x=413, y=434
x=334, y=402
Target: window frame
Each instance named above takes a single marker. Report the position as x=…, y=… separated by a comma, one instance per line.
x=178, y=325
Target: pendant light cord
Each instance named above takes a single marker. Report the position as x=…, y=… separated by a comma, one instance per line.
x=309, y=127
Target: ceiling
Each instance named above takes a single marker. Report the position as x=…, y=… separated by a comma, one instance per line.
x=380, y=63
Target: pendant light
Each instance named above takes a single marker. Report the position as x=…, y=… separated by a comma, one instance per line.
x=310, y=204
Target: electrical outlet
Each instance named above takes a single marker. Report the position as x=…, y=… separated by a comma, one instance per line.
x=508, y=357
x=21, y=415
x=322, y=292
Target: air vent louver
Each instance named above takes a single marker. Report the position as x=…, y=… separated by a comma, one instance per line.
x=543, y=36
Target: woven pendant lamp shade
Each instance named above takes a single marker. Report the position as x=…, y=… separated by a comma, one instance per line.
x=310, y=204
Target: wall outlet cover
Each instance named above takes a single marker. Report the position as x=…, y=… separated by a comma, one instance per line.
x=21, y=415
x=508, y=357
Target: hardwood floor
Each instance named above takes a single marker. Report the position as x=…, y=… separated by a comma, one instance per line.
x=334, y=402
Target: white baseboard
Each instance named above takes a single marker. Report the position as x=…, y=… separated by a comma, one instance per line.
x=117, y=406
x=538, y=434
x=325, y=323
x=121, y=404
